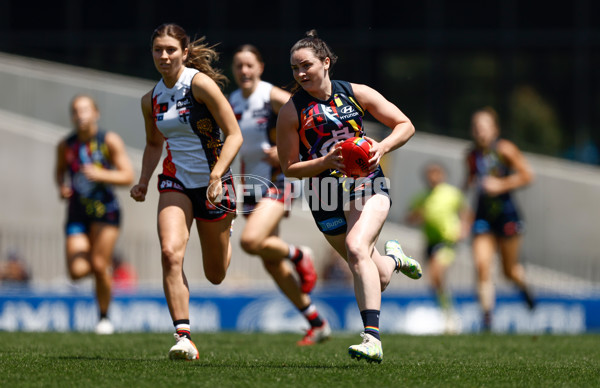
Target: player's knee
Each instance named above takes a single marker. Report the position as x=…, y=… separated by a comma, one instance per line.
x=170, y=256
x=99, y=267
x=513, y=273
x=356, y=251
x=79, y=268
x=250, y=245
x=215, y=276
x=76, y=275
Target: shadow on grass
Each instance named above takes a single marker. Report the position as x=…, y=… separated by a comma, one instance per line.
x=233, y=364
x=104, y=358
x=272, y=365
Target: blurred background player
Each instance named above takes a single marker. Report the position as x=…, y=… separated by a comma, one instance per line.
x=256, y=104
x=124, y=275
x=94, y=160
x=442, y=212
x=14, y=271
x=188, y=110
x=495, y=167
x=310, y=128
x=335, y=271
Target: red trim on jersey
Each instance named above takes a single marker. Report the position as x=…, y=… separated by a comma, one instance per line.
x=214, y=220
x=227, y=187
x=169, y=168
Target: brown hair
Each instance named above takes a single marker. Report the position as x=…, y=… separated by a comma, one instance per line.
x=80, y=96
x=200, y=54
x=492, y=113
x=318, y=46
x=250, y=48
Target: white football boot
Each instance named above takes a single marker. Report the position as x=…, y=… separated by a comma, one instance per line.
x=405, y=264
x=370, y=349
x=104, y=326
x=184, y=349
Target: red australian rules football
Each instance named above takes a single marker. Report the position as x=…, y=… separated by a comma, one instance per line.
x=355, y=152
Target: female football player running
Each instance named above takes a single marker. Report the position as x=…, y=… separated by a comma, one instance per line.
x=496, y=167
x=350, y=214
x=187, y=110
x=256, y=104
x=95, y=161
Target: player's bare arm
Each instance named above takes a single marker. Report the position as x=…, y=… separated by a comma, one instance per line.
x=152, y=151
x=288, y=148
x=206, y=91
x=522, y=174
x=122, y=173
x=64, y=190
x=278, y=98
x=387, y=114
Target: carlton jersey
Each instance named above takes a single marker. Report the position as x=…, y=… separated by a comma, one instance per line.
x=192, y=134
x=90, y=200
x=324, y=123
x=321, y=125
x=257, y=122
x=494, y=213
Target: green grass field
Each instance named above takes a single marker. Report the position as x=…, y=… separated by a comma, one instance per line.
x=273, y=360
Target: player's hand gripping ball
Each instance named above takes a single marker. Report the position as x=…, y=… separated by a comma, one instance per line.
x=355, y=152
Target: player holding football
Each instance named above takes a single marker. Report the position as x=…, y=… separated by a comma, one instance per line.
x=256, y=104
x=496, y=167
x=187, y=109
x=310, y=128
x=94, y=160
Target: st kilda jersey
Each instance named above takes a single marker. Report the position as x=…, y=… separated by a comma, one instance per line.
x=257, y=122
x=192, y=135
x=324, y=123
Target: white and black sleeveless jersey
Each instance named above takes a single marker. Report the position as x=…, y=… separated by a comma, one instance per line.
x=257, y=122
x=192, y=134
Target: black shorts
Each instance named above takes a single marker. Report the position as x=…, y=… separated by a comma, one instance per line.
x=82, y=212
x=251, y=195
x=328, y=198
x=499, y=216
x=204, y=210
x=444, y=251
